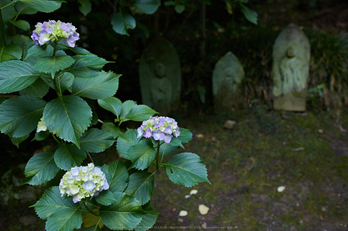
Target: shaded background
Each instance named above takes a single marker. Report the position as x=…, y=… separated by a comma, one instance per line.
x=306, y=152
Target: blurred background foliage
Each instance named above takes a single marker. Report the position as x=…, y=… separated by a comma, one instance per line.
x=202, y=31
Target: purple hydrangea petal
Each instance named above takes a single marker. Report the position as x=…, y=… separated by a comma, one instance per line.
x=140, y=132
x=157, y=135
x=168, y=138
x=147, y=133
x=106, y=185
x=76, y=199
x=88, y=185
x=75, y=171
x=168, y=130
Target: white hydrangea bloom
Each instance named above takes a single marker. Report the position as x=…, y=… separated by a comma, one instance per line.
x=41, y=126
x=82, y=182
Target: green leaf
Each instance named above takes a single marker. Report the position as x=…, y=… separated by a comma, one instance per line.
x=10, y=52
x=112, y=129
x=19, y=115
x=249, y=14
x=87, y=66
x=140, y=186
x=126, y=107
x=85, y=7
x=185, y=135
x=175, y=141
x=65, y=220
x=52, y=64
x=17, y=140
x=94, y=223
x=68, y=156
x=229, y=8
x=141, y=156
x=67, y=117
x=65, y=81
x=41, y=168
x=35, y=50
x=121, y=21
x=95, y=140
x=23, y=8
x=46, y=6
x=100, y=87
x=111, y=104
x=16, y=75
x=167, y=149
x=52, y=202
x=169, y=3
x=21, y=24
x=186, y=169
x=118, y=176
x=8, y=12
x=125, y=214
x=147, y=6
x=149, y=218
x=38, y=89
x=140, y=113
x=105, y=198
x=40, y=136
x=179, y=8
x=127, y=140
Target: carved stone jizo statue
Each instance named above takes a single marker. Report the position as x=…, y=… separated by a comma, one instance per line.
x=160, y=76
x=227, y=78
x=291, y=54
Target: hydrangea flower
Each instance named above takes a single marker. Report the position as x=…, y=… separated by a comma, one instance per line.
x=160, y=128
x=54, y=31
x=82, y=182
x=41, y=126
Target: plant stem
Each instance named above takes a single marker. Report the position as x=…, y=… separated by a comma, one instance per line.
x=90, y=210
x=8, y=5
x=55, y=48
x=157, y=156
x=90, y=157
x=2, y=30
x=55, y=138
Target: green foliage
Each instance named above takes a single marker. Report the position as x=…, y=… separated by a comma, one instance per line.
x=186, y=169
x=31, y=73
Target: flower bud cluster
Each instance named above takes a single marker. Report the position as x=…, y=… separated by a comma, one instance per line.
x=160, y=128
x=41, y=126
x=82, y=182
x=54, y=31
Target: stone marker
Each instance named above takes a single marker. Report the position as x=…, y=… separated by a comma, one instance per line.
x=291, y=54
x=160, y=76
x=227, y=78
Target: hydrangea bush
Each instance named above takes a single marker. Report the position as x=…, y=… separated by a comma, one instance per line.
x=80, y=194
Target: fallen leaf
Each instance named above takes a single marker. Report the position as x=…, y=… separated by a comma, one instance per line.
x=200, y=136
x=203, y=209
x=183, y=213
x=281, y=188
x=193, y=191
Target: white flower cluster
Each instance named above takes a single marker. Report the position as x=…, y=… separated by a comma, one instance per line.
x=82, y=182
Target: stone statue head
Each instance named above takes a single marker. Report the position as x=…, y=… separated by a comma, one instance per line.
x=229, y=76
x=159, y=70
x=291, y=51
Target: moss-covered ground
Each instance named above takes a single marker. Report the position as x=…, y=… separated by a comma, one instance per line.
x=306, y=153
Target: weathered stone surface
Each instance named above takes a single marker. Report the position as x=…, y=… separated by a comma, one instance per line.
x=291, y=54
x=160, y=76
x=227, y=78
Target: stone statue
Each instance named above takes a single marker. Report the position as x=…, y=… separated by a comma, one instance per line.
x=160, y=76
x=227, y=78
x=291, y=54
